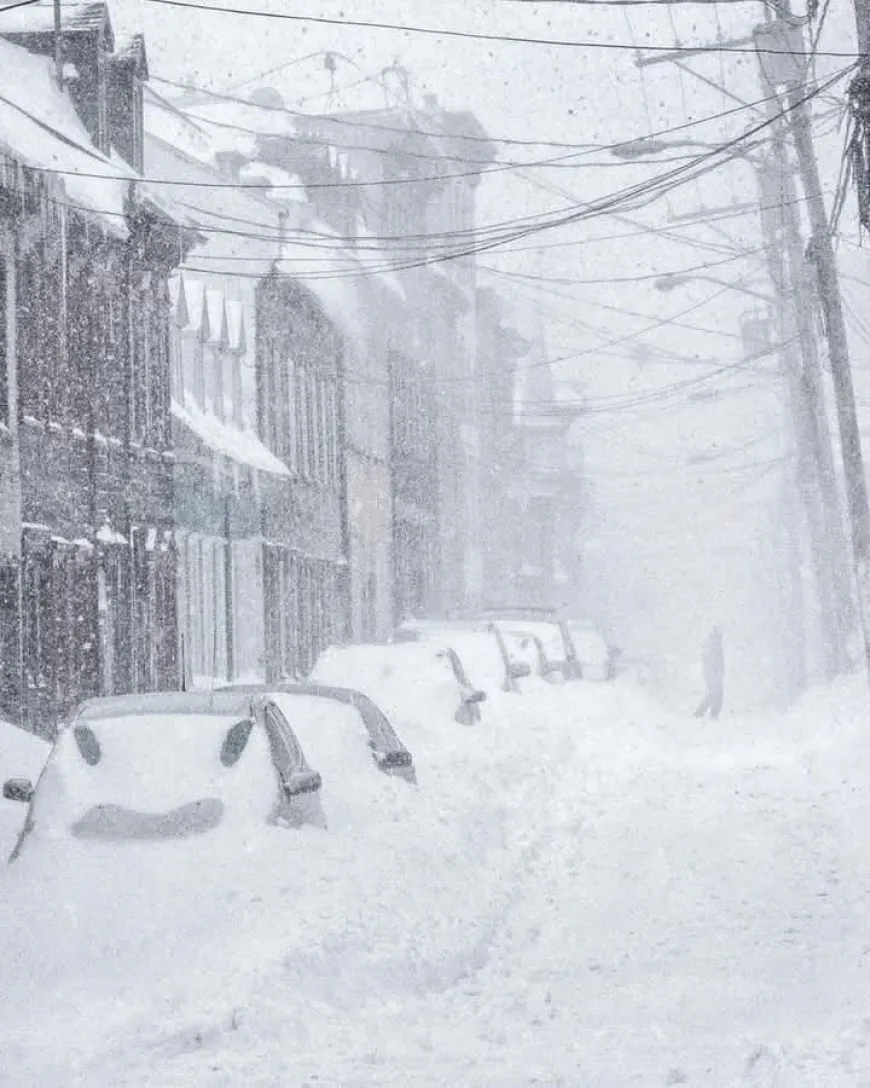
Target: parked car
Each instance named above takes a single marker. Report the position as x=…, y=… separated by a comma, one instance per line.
x=21, y=753
x=352, y=711
x=556, y=652
x=404, y=678
x=573, y=647
x=170, y=765
x=478, y=646
x=596, y=659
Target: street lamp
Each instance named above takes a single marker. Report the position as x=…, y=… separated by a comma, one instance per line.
x=669, y=283
x=644, y=148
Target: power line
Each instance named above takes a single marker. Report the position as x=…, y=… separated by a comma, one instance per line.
x=628, y=3
x=376, y=126
x=622, y=310
x=498, y=234
x=278, y=68
x=501, y=232
x=443, y=32
x=332, y=185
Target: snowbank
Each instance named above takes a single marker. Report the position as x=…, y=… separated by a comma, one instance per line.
x=589, y=891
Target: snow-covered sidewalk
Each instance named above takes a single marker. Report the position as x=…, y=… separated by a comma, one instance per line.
x=587, y=891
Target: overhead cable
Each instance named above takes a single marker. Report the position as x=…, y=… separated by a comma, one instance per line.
x=445, y=32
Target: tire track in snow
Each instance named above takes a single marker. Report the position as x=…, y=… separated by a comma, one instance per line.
x=354, y=967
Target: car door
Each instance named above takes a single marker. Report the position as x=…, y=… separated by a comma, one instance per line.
x=299, y=785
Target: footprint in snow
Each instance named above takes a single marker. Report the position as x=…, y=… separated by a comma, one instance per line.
x=762, y=1069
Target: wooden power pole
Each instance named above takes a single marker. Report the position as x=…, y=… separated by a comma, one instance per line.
x=789, y=70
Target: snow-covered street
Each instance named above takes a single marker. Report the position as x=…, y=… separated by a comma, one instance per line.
x=587, y=891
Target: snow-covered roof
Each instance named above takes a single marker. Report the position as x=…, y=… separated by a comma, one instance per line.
x=215, y=302
x=197, y=310
x=178, y=301
x=75, y=17
x=40, y=127
x=236, y=331
x=166, y=123
x=290, y=187
x=240, y=445
x=334, y=288
x=238, y=119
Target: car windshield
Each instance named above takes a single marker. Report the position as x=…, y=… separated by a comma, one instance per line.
x=377, y=727
x=477, y=650
x=549, y=634
x=334, y=737
x=380, y=664
x=153, y=776
x=405, y=679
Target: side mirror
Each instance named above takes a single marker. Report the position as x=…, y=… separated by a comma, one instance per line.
x=476, y=697
x=397, y=758
x=303, y=782
x=18, y=789
x=520, y=670
x=467, y=714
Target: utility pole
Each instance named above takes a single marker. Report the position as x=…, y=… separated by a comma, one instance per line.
x=780, y=43
x=821, y=252
x=816, y=476
x=58, y=46
x=859, y=102
x=821, y=471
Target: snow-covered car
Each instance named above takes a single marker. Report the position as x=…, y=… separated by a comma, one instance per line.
x=404, y=678
x=556, y=655
x=22, y=754
x=168, y=766
x=349, y=710
x=595, y=658
x=478, y=647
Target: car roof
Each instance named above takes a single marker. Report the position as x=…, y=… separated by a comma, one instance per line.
x=463, y=623
x=219, y=702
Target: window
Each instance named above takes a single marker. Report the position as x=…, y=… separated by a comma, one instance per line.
x=267, y=407
x=317, y=429
x=217, y=383
x=292, y=418
x=146, y=362
x=304, y=432
x=311, y=422
x=332, y=430
x=234, y=384
x=199, y=619
x=177, y=351
x=199, y=371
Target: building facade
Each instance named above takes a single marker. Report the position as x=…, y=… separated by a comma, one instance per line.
x=414, y=215
x=87, y=382
x=258, y=404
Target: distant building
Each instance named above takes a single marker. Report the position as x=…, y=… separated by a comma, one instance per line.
x=258, y=405
x=415, y=216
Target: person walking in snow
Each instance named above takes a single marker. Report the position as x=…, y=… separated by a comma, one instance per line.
x=713, y=663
